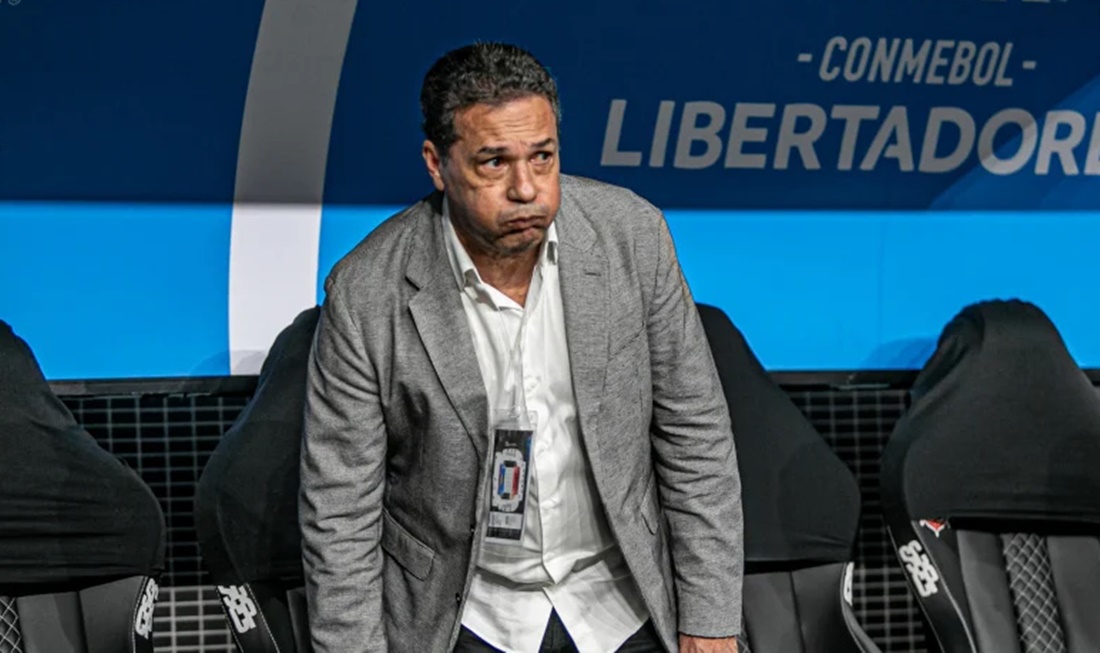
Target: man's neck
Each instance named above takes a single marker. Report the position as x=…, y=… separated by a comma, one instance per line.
x=510, y=275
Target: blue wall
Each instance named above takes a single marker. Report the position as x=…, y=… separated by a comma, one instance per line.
x=839, y=219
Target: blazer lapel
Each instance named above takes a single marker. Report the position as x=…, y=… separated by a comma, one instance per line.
x=583, y=275
x=441, y=322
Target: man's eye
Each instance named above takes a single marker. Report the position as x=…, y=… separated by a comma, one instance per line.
x=543, y=157
x=495, y=162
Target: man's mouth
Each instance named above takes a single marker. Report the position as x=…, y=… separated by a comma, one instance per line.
x=522, y=224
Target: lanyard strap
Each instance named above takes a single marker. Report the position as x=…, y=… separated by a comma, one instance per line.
x=517, y=403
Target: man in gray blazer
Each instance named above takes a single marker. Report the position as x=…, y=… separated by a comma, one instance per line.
x=515, y=437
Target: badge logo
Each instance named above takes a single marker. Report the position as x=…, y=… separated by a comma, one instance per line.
x=239, y=606
x=143, y=623
x=921, y=570
x=511, y=474
x=934, y=525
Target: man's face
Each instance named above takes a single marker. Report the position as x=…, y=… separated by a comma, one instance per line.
x=502, y=178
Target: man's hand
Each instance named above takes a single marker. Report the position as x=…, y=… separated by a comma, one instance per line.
x=689, y=644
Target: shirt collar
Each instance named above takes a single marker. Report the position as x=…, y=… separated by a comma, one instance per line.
x=465, y=271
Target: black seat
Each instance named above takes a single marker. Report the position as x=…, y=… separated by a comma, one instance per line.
x=246, y=504
x=801, y=511
x=991, y=487
x=82, y=538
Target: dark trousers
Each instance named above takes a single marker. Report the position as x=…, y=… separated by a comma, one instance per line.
x=557, y=640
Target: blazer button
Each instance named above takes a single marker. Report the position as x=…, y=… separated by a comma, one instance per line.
x=458, y=598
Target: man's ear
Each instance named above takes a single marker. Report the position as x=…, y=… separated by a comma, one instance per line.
x=434, y=163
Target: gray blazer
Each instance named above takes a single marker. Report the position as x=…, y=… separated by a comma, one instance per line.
x=394, y=463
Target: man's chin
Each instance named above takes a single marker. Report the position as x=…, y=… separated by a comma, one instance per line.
x=522, y=241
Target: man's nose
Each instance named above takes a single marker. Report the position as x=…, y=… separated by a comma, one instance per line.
x=522, y=187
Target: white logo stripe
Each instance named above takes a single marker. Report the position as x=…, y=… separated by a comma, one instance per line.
x=281, y=171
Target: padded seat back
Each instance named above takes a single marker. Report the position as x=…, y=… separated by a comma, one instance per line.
x=246, y=504
x=799, y=610
x=82, y=538
x=991, y=487
x=801, y=510
x=115, y=617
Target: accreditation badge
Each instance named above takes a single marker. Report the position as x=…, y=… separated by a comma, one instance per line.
x=509, y=485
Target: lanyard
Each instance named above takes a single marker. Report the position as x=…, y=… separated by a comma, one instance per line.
x=517, y=403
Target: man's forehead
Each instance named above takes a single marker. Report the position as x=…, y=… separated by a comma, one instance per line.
x=528, y=122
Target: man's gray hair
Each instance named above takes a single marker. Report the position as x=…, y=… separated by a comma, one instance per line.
x=482, y=73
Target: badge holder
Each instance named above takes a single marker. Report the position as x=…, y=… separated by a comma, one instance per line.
x=513, y=432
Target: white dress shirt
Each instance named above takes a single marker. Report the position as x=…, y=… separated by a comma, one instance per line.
x=567, y=560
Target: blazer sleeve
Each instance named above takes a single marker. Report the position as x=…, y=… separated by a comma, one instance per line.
x=694, y=456
x=342, y=484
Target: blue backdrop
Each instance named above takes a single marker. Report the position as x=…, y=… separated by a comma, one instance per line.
x=840, y=177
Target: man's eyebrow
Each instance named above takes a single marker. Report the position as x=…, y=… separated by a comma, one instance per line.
x=495, y=151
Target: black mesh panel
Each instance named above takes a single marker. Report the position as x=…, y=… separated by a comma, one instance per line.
x=1032, y=586
x=10, y=639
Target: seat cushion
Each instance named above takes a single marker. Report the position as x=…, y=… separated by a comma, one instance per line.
x=1010, y=592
